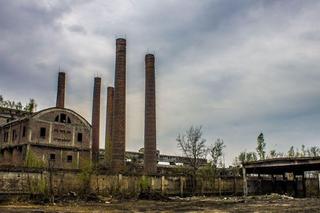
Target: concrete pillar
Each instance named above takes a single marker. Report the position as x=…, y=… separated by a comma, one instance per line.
x=304, y=187
x=150, y=147
x=181, y=186
x=318, y=184
x=61, y=89
x=163, y=179
x=119, y=108
x=245, y=184
x=109, y=117
x=96, y=119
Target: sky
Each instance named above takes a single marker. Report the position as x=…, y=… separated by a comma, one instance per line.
x=237, y=68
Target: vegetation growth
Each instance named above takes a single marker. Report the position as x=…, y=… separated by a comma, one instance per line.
x=28, y=107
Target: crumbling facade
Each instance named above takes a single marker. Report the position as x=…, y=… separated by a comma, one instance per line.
x=52, y=137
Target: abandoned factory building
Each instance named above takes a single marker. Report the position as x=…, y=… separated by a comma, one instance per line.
x=56, y=135
x=61, y=138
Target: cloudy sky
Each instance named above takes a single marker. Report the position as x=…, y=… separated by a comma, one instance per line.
x=235, y=67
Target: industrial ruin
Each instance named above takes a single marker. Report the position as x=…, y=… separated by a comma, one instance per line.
x=61, y=138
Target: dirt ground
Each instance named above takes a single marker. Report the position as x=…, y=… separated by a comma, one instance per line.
x=194, y=204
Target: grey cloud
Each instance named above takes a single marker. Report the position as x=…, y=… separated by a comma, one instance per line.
x=77, y=29
x=236, y=67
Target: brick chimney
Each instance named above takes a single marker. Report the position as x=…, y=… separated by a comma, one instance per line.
x=96, y=119
x=150, y=145
x=61, y=89
x=109, y=116
x=119, y=109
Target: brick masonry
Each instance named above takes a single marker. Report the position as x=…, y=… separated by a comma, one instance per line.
x=61, y=89
x=119, y=109
x=61, y=138
x=109, y=117
x=96, y=119
x=150, y=149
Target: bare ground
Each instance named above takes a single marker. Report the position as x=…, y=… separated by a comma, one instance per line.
x=194, y=204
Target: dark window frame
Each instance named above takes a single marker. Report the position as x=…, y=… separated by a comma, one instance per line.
x=43, y=132
x=14, y=135
x=5, y=136
x=69, y=158
x=80, y=137
x=63, y=118
x=52, y=156
x=23, y=131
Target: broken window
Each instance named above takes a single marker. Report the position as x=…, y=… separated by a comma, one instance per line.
x=63, y=118
x=57, y=118
x=79, y=137
x=13, y=135
x=53, y=157
x=5, y=136
x=24, y=131
x=42, y=132
x=69, y=158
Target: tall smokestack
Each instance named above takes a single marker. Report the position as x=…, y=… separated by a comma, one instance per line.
x=96, y=119
x=61, y=89
x=150, y=145
x=119, y=109
x=108, y=144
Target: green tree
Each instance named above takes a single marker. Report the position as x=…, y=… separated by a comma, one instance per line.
x=19, y=106
x=216, y=151
x=303, y=151
x=314, y=151
x=273, y=153
x=31, y=106
x=251, y=156
x=242, y=157
x=291, y=152
x=247, y=157
x=261, y=145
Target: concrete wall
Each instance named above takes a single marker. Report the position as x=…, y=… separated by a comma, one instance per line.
x=15, y=181
x=64, y=181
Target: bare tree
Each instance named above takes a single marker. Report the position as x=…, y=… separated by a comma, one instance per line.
x=194, y=148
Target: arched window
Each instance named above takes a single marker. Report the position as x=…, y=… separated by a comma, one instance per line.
x=62, y=118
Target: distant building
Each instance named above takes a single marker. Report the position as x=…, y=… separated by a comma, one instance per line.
x=56, y=137
x=162, y=159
